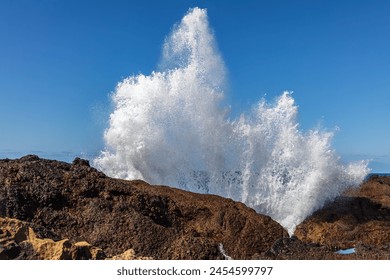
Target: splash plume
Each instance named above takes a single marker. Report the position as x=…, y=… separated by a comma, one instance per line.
x=171, y=127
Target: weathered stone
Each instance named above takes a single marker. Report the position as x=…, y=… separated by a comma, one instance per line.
x=359, y=218
x=56, y=210
x=19, y=241
x=76, y=202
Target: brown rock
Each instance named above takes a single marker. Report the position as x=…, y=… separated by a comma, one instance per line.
x=129, y=255
x=72, y=211
x=360, y=218
x=19, y=241
x=84, y=251
x=76, y=202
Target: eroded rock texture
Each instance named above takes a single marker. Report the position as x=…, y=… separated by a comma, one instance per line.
x=73, y=203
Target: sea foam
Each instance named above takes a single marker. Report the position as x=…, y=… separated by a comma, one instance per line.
x=171, y=127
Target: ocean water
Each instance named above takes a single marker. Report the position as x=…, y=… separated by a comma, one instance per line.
x=173, y=127
x=346, y=251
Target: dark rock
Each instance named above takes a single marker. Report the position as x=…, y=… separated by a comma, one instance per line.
x=359, y=218
x=79, y=213
x=20, y=241
x=79, y=161
x=76, y=202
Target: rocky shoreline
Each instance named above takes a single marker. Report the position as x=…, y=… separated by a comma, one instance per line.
x=56, y=210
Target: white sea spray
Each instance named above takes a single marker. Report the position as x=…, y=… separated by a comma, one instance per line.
x=171, y=127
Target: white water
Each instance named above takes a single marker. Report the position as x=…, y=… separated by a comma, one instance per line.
x=171, y=128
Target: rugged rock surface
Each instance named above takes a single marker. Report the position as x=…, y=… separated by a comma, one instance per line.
x=56, y=210
x=61, y=205
x=19, y=241
x=360, y=218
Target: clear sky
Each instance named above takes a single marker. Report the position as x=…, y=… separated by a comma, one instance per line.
x=61, y=59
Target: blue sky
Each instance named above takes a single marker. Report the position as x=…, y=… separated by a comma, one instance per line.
x=61, y=59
